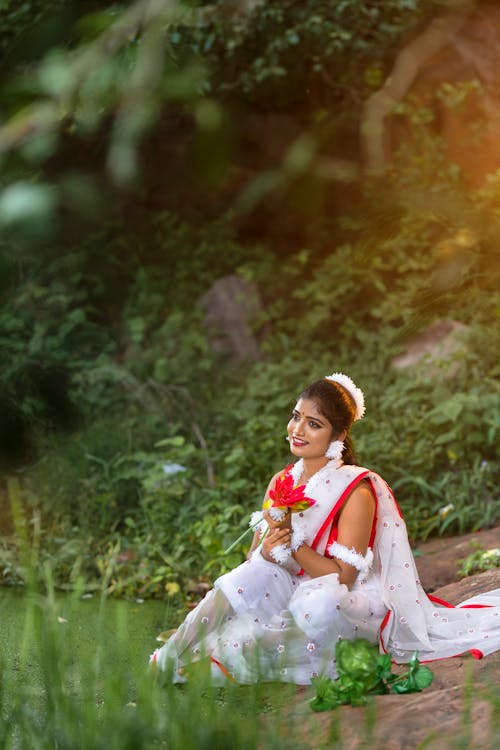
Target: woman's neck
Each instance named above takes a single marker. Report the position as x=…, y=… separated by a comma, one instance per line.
x=312, y=465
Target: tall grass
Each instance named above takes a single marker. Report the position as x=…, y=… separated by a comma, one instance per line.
x=55, y=692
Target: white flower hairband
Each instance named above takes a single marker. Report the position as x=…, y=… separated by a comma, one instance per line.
x=352, y=389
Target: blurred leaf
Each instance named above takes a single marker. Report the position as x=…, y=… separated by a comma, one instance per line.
x=25, y=202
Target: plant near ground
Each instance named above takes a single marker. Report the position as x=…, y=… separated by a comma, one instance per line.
x=363, y=671
x=479, y=560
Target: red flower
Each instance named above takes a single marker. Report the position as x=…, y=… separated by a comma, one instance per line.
x=285, y=495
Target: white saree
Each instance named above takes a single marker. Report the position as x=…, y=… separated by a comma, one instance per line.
x=263, y=621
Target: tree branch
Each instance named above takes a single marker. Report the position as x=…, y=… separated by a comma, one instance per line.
x=408, y=64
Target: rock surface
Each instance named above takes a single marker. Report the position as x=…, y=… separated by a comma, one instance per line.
x=438, y=559
x=230, y=307
x=433, y=347
x=459, y=709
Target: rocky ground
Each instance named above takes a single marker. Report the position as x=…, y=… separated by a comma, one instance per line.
x=461, y=709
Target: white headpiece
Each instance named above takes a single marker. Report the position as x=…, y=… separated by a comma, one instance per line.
x=352, y=389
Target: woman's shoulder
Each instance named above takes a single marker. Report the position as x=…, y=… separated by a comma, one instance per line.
x=355, y=469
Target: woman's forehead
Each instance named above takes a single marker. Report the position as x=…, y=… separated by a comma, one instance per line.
x=309, y=407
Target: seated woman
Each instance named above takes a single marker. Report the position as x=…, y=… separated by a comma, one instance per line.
x=341, y=568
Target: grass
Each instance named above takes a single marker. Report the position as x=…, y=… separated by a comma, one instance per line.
x=75, y=677
x=66, y=687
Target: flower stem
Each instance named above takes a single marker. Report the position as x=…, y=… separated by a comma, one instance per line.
x=242, y=536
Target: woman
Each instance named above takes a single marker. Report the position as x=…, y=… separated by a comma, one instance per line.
x=342, y=568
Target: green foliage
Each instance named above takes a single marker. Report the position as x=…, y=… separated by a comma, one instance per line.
x=479, y=560
x=109, y=319
x=141, y=371
x=19, y=19
x=362, y=672
x=294, y=54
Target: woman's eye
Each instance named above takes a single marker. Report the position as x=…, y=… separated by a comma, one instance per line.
x=295, y=416
x=313, y=424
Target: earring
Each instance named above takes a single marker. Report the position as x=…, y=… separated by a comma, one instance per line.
x=335, y=449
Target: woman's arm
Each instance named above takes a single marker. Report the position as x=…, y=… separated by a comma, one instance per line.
x=354, y=529
x=271, y=539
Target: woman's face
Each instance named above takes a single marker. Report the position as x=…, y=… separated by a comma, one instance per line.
x=309, y=431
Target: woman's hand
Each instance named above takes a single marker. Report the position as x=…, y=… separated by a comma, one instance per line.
x=274, y=538
x=285, y=523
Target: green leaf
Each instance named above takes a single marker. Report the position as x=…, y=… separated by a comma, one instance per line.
x=423, y=677
x=24, y=201
x=327, y=694
x=364, y=672
x=175, y=442
x=356, y=658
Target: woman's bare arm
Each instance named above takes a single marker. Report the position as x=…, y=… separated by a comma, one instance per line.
x=354, y=529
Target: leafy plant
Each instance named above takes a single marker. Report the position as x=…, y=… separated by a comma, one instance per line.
x=363, y=671
x=479, y=560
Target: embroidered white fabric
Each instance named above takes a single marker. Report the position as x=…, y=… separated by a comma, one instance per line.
x=363, y=563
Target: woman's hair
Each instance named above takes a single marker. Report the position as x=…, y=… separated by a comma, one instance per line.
x=336, y=404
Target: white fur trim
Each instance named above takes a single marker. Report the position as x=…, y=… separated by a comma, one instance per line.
x=256, y=517
x=318, y=477
x=297, y=470
x=363, y=563
x=258, y=522
x=281, y=553
x=352, y=388
x=277, y=514
x=298, y=539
